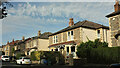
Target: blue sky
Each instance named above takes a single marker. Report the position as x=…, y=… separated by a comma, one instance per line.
x=26, y=18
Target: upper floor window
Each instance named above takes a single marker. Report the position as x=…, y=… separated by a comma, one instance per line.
x=55, y=39
x=4, y=49
x=7, y=48
x=70, y=36
x=98, y=33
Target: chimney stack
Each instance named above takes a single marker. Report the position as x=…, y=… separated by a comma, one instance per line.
x=71, y=23
x=8, y=42
x=23, y=38
x=13, y=40
x=39, y=33
x=117, y=6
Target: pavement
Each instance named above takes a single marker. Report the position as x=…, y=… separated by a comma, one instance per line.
x=13, y=65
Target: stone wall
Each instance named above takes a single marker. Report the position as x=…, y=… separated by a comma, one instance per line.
x=114, y=23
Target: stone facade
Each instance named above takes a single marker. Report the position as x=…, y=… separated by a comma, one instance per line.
x=9, y=47
x=114, y=28
x=114, y=22
x=37, y=43
x=69, y=39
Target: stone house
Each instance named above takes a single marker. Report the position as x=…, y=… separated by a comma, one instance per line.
x=7, y=49
x=20, y=46
x=67, y=39
x=114, y=22
x=37, y=43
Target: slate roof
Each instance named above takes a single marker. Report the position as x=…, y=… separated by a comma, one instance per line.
x=85, y=24
x=113, y=14
x=43, y=36
x=13, y=43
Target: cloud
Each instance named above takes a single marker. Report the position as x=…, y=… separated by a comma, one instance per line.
x=28, y=18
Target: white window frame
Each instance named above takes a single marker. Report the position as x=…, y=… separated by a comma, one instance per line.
x=68, y=36
x=72, y=36
x=98, y=34
x=56, y=38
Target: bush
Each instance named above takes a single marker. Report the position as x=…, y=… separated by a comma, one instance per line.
x=18, y=55
x=49, y=55
x=98, y=52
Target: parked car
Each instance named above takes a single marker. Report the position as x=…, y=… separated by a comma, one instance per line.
x=23, y=60
x=5, y=58
x=114, y=66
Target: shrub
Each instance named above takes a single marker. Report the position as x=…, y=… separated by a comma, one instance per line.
x=49, y=55
x=98, y=52
x=18, y=55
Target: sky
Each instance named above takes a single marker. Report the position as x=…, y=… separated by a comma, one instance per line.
x=26, y=18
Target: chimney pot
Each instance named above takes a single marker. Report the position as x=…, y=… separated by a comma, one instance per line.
x=71, y=23
x=23, y=38
x=8, y=42
x=13, y=40
x=117, y=6
x=39, y=33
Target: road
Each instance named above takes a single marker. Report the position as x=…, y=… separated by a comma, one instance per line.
x=13, y=65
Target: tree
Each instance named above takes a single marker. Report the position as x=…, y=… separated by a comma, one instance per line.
x=13, y=51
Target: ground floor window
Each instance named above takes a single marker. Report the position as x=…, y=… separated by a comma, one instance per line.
x=56, y=49
x=67, y=49
x=73, y=49
x=27, y=52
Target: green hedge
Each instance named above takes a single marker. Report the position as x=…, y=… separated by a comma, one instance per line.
x=50, y=56
x=98, y=52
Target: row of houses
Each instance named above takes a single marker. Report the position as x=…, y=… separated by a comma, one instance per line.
x=26, y=46
x=67, y=39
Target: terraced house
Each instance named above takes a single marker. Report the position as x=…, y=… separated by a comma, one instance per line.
x=37, y=43
x=7, y=49
x=67, y=39
x=114, y=22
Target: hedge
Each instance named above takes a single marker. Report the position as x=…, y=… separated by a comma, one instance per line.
x=99, y=52
x=49, y=55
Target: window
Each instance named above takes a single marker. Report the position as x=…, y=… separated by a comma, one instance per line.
x=72, y=35
x=7, y=48
x=56, y=39
x=56, y=49
x=6, y=53
x=27, y=52
x=71, y=32
x=67, y=49
x=98, y=33
x=68, y=36
x=4, y=49
x=73, y=49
